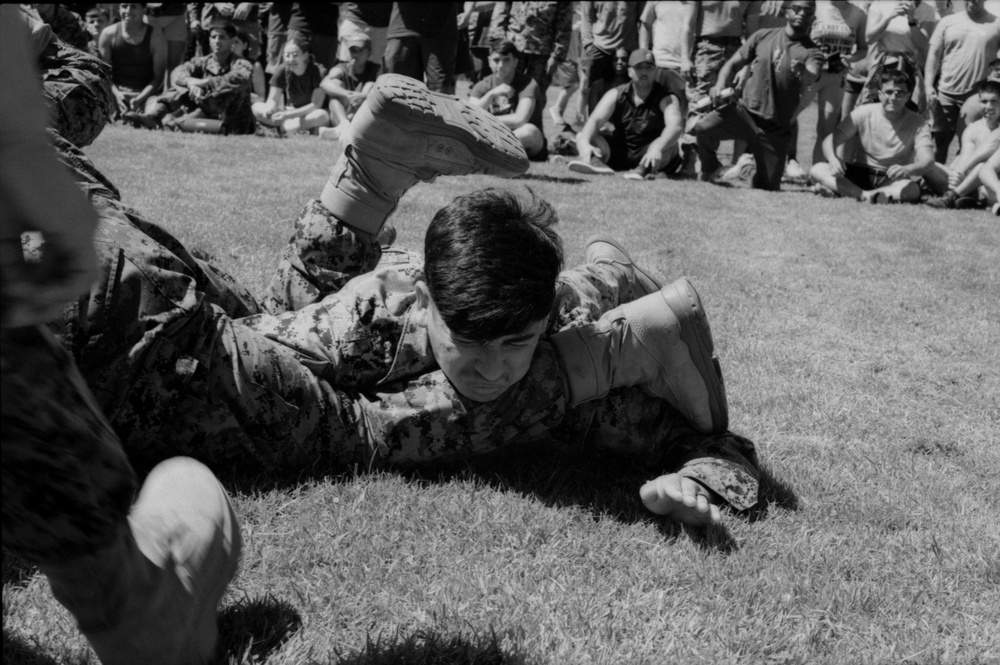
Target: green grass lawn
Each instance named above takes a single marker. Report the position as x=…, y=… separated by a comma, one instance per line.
x=861, y=347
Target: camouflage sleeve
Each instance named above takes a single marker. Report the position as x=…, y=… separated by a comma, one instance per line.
x=183, y=72
x=727, y=465
x=237, y=77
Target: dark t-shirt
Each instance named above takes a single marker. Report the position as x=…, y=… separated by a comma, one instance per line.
x=774, y=89
x=317, y=17
x=636, y=126
x=343, y=71
x=433, y=20
x=298, y=89
x=502, y=105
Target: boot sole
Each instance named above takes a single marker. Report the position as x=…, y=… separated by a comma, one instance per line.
x=646, y=281
x=685, y=303
x=409, y=106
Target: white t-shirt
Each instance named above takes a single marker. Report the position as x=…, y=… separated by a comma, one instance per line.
x=838, y=28
x=896, y=37
x=966, y=48
x=883, y=143
x=667, y=22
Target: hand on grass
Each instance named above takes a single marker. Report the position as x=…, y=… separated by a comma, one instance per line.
x=680, y=498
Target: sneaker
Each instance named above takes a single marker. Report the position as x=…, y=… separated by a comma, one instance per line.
x=141, y=120
x=602, y=249
x=825, y=192
x=638, y=173
x=328, y=133
x=794, y=170
x=712, y=175
x=689, y=163
x=996, y=209
x=966, y=203
x=594, y=167
x=743, y=169
x=431, y=133
x=945, y=201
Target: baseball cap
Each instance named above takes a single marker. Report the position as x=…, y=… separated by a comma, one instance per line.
x=358, y=39
x=641, y=55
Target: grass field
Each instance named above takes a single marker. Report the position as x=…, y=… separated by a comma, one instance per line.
x=861, y=347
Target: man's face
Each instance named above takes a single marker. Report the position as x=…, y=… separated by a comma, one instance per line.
x=503, y=65
x=480, y=371
x=973, y=7
x=800, y=16
x=994, y=74
x=359, y=55
x=643, y=73
x=621, y=62
x=991, y=106
x=893, y=97
x=131, y=12
x=95, y=21
x=220, y=43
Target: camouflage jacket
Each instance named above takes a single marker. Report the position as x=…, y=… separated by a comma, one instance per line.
x=536, y=28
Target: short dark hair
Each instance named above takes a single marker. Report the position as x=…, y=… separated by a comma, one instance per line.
x=227, y=27
x=892, y=75
x=491, y=259
x=505, y=47
x=989, y=85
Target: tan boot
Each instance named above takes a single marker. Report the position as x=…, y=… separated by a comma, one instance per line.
x=604, y=250
x=404, y=134
x=661, y=342
x=150, y=598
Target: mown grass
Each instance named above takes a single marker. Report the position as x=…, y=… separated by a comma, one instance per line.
x=861, y=347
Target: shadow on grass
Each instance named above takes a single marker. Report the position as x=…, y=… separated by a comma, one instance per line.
x=541, y=177
x=773, y=492
x=431, y=648
x=17, y=651
x=254, y=628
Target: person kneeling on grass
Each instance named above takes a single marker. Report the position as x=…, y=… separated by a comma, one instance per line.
x=892, y=147
x=960, y=179
x=355, y=358
x=295, y=99
x=514, y=98
x=647, y=123
x=348, y=84
x=210, y=93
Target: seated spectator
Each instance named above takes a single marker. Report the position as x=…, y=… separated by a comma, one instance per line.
x=348, y=84
x=514, y=98
x=784, y=62
x=892, y=148
x=95, y=20
x=990, y=176
x=210, y=93
x=137, y=53
x=295, y=100
x=972, y=110
x=258, y=84
x=960, y=180
x=647, y=122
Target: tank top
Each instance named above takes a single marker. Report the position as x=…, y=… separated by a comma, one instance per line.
x=131, y=65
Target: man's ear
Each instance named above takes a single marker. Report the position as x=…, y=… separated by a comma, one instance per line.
x=421, y=308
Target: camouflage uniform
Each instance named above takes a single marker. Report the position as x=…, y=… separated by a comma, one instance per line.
x=69, y=27
x=77, y=85
x=227, y=96
x=540, y=30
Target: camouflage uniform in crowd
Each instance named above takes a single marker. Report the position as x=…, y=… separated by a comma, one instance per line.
x=77, y=85
x=68, y=27
x=540, y=30
x=227, y=96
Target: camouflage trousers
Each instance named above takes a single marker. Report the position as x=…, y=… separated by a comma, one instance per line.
x=232, y=108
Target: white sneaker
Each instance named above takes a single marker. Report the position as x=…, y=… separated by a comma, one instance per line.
x=794, y=170
x=743, y=169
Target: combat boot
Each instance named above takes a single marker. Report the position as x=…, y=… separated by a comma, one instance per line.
x=604, y=250
x=151, y=596
x=661, y=342
x=403, y=134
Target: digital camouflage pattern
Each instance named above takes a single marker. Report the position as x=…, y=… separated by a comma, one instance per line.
x=227, y=96
x=536, y=28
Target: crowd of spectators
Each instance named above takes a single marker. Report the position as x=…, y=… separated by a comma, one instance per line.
x=658, y=84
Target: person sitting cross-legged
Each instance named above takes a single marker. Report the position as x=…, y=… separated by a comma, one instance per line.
x=960, y=180
x=295, y=99
x=348, y=83
x=647, y=124
x=514, y=98
x=892, y=147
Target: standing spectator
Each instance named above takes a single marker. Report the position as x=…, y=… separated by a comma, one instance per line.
x=295, y=100
x=567, y=78
x=667, y=29
x=839, y=31
x=278, y=15
x=541, y=33
x=718, y=34
x=784, y=62
x=369, y=18
x=605, y=27
x=316, y=23
x=474, y=33
x=137, y=53
x=876, y=154
x=348, y=85
x=95, y=20
x=171, y=18
x=958, y=58
x=210, y=93
x=647, y=123
x=422, y=42
x=515, y=98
